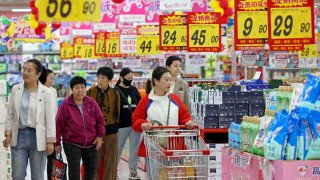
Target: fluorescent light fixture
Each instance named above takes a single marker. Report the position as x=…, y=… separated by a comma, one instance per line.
x=21, y=10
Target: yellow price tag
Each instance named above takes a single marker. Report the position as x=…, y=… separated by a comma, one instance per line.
x=66, y=51
x=148, y=45
x=310, y=51
x=69, y=10
x=84, y=51
x=77, y=48
x=174, y=36
x=100, y=46
x=204, y=35
x=295, y=22
x=252, y=24
x=112, y=46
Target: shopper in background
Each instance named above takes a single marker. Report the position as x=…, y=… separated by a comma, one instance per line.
x=129, y=97
x=160, y=107
x=49, y=82
x=109, y=102
x=30, y=124
x=80, y=123
x=178, y=86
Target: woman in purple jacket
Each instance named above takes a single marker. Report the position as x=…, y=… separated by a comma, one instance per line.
x=80, y=123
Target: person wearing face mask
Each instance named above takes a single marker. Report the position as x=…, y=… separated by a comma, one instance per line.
x=159, y=107
x=178, y=86
x=129, y=97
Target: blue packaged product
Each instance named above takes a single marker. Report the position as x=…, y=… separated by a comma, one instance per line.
x=314, y=147
x=304, y=134
x=311, y=89
x=293, y=124
x=276, y=140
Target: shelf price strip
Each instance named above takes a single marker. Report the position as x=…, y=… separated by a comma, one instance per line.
x=112, y=43
x=251, y=24
x=291, y=25
x=69, y=10
x=66, y=51
x=148, y=40
x=204, y=32
x=173, y=32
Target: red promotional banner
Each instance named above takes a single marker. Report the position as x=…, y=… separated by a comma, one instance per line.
x=290, y=24
x=204, y=32
x=173, y=32
x=251, y=24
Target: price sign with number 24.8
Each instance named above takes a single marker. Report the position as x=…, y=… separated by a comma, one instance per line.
x=69, y=10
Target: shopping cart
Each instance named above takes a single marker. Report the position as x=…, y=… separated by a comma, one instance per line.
x=175, y=152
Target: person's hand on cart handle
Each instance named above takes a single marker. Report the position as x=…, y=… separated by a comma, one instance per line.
x=146, y=126
x=190, y=124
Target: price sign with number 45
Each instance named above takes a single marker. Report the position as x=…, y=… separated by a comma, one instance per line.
x=69, y=10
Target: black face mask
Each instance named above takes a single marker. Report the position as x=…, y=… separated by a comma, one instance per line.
x=126, y=82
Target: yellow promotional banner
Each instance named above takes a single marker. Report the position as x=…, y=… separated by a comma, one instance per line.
x=112, y=44
x=148, y=45
x=69, y=10
x=252, y=24
x=310, y=51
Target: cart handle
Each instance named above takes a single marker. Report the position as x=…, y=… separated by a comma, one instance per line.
x=174, y=127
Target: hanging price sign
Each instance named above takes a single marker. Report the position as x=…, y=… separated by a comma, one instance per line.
x=309, y=51
x=99, y=44
x=251, y=24
x=148, y=40
x=204, y=32
x=66, y=51
x=83, y=48
x=291, y=23
x=112, y=43
x=173, y=32
x=69, y=10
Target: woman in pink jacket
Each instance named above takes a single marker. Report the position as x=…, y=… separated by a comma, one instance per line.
x=80, y=123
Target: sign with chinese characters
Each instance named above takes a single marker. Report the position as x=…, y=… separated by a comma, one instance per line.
x=112, y=43
x=251, y=23
x=173, y=32
x=148, y=40
x=176, y=5
x=128, y=41
x=287, y=29
x=83, y=48
x=203, y=32
x=284, y=60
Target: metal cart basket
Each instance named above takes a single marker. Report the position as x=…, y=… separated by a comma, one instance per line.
x=175, y=152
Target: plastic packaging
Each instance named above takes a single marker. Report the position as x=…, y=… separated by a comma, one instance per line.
x=304, y=134
x=244, y=134
x=253, y=132
x=314, y=148
x=311, y=89
x=293, y=123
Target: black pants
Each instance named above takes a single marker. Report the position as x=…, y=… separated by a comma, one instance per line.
x=89, y=158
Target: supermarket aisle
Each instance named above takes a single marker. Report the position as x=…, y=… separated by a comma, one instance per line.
x=123, y=172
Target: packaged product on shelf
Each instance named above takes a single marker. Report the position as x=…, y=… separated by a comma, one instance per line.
x=276, y=141
x=254, y=128
x=294, y=126
x=296, y=95
x=264, y=126
x=314, y=148
x=311, y=89
x=304, y=134
x=244, y=134
x=190, y=170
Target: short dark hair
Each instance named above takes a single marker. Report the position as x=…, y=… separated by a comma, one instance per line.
x=170, y=60
x=105, y=71
x=156, y=74
x=49, y=71
x=77, y=80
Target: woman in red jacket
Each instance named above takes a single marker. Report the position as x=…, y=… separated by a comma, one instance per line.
x=159, y=106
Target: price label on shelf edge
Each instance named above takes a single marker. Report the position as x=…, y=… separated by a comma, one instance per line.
x=69, y=10
x=148, y=45
x=286, y=25
x=66, y=51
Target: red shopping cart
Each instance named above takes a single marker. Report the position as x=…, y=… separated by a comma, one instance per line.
x=175, y=152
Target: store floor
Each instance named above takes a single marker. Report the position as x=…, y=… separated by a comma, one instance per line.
x=123, y=174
